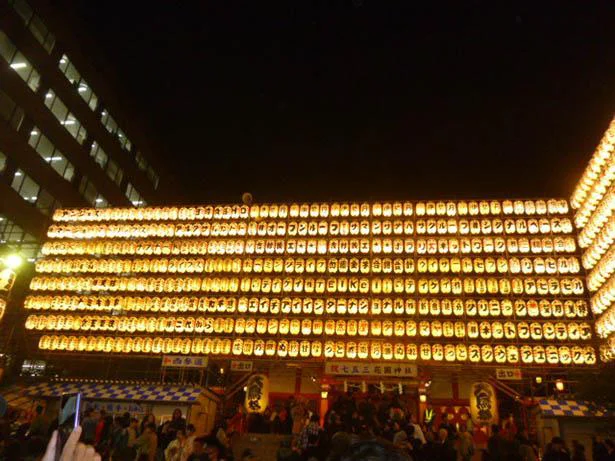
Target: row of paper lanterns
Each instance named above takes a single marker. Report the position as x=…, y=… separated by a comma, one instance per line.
x=601, y=158
x=475, y=353
x=434, y=246
x=331, y=265
x=314, y=210
x=566, y=286
x=599, y=217
x=519, y=308
x=314, y=228
x=560, y=331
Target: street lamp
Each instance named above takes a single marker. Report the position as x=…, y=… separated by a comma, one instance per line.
x=12, y=261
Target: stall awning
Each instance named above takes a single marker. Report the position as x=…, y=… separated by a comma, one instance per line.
x=14, y=396
x=572, y=408
x=103, y=391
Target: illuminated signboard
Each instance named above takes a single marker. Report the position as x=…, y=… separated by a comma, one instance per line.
x=594, y=202
x=490, y=282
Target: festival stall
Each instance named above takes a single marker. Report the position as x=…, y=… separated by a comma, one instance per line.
x=197, y=404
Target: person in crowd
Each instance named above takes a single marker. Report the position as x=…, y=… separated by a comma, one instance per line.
x=147, y=443
x=219, y=433
x=149, y=418
x=310, y=441
x=339, y=444
x=465, y=445
x=526, y=450
x=198, y=450
x=175, y=449
x=335, y=426
x=374, y=451
x=213, y=450
x=400, y=438
x=165, y=435
x=40, y=424
x=444, y=448
x=177, y=423
x=610, y=449
x=578, y=451
x=557, y=451
x=100, y=426
x=418, y=432
x=90, y=421
x=495, y=444
x=190, y=436
x=133, y=432
x=599, y=452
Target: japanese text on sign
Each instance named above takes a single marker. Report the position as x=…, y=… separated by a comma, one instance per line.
x=241, y=365
x=180, y=361
x=371, y=369
x=509, y=374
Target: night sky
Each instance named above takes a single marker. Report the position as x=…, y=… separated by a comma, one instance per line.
x=363, y=99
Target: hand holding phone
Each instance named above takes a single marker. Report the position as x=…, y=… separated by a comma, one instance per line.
x=68, y=420
x=72, y=451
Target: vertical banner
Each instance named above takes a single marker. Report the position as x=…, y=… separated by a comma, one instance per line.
x=257, y=394
x=483, y=404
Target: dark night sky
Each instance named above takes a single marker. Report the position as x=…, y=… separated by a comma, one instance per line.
x=366, y=99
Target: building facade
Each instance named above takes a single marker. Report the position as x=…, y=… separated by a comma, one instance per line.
x=65, y=140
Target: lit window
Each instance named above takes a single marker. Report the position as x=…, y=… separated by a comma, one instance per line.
x=51, y=155
x=114, y=172
x=10, y=111
x=74, y=77
x=66, y=118
x=25, y=186
x=133, y=195
x=112, y=127
x=149, y=171
x=35, y=24
x=18, y=62
x=89, y=192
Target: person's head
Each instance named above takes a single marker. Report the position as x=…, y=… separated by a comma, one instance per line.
x=442, y=435
x=150, y=427
x=315, y=419
x=495, y=429
x=557, y=444
x=190, y=429
x=39, y=410
x=198, y=446
x=150, y=418
x=134, y=423
x=248, y=455
x=373, y=451
x=102, y=414
x=177, y=414
x=410, y=431
x=87, y=413
x=212, y=447
x=429, y=436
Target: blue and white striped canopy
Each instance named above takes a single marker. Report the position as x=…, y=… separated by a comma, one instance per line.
x=102, y=391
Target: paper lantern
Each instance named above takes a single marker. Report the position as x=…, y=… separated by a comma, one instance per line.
x=257, y=394
x=483, y=404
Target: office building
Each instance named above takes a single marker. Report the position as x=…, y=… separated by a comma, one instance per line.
x=65, y=140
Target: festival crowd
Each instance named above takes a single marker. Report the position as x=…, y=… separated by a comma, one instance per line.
x=352, y=431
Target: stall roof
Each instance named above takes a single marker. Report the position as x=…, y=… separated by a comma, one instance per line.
x=104, y=391
x=578, y=408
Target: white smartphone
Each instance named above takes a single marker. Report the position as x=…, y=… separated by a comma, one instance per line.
x=68, y=419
